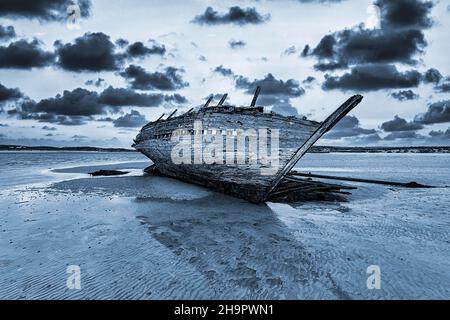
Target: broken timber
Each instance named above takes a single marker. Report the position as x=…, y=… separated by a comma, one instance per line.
x=329, y=123
x=293, y=189
x=412, y=184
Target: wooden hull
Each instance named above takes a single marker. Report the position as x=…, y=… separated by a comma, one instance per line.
x=249, y=179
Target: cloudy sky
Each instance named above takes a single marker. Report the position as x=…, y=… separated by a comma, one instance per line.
x=94, y=73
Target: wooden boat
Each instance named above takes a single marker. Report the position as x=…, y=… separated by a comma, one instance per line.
x=238, y=164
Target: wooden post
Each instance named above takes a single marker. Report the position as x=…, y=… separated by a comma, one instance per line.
x=171, y=115
x=255, y=96
x=224, y=97
x=208, y=102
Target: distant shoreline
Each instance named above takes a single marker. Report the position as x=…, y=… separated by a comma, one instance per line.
x=315, y=149
x=428, y=149
x=74, y=149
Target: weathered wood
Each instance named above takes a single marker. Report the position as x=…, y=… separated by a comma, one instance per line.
x=329, y=123
x=291, y=176
x=240, y=179
x=412, y=184
x=208, y=101
x=224, y=97
x=171, y=115
x=108, y=173
x=255, y=96
x=160, y=117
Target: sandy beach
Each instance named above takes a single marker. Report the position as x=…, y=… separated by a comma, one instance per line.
x=146, y=237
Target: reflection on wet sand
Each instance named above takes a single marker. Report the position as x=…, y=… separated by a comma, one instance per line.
x=236, y=245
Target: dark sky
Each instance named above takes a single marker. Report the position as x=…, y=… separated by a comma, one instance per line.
x=94, y=73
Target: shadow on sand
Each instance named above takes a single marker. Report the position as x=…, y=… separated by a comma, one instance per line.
x=239, y=247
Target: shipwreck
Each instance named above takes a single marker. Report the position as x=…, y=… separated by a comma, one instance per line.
x=243, y=151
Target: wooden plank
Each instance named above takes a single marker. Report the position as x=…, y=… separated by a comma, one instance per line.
x=289, y=177
x=389, y=183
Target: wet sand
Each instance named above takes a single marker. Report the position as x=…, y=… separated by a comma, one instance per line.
x=146, y=237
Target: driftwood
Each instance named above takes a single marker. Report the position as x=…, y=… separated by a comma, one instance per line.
x=294, y=189
x=412, y=184
x=108, y=173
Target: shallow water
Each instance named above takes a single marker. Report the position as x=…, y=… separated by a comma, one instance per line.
x=144, y=237
x=25, y=168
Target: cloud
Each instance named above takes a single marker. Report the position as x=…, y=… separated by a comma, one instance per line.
x=79, y=102
x=349, y=126
x=43, y=10
x=235, y=15
x=7, y=94
x=435, y=77
x=236, y=44
x=271, y=86
x=438, y=112
x=373, y=77
x=24, y=55
x=399, y=39
x=7, y=32
x=79, y=137
x=432, y=76
x=130, y=120
x=90, y=52
x=410, y=135
x=290, y=51
x=139, y=78
x=443, y=86
x=440, y=135
x=284, y=108
x=47, y=128
x=98, y=83
x=138, y=49
x=127, y=97
x=78, y=106
x=320, y=1
x=72, y=108
x=122, y=43
x=359, y=46
x=226, y=72
x=176, y=98
x=400, y=124
x=24, y=113
x=404, y=95
x=274, y=92
x=308, y=81
x=405, y=13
